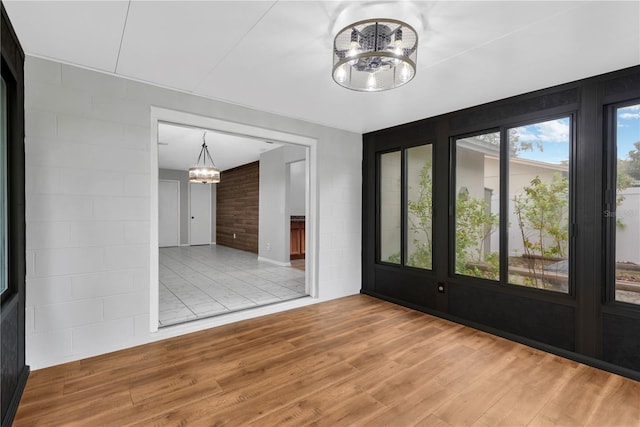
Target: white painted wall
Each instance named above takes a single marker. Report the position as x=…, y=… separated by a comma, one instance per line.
x=628, y=236
x=297, y=188
x=88, y=180
x=274, y=222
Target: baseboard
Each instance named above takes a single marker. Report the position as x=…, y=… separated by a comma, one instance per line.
x=273, y=261
x=15, y=399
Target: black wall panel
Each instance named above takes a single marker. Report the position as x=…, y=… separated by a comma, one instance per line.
x=621, y=341
x=511, y=109
x=407, y=285
x=541, y=321
x=585, y=324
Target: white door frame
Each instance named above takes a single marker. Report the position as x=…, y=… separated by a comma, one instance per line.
x=164, y=115
x=178, y=195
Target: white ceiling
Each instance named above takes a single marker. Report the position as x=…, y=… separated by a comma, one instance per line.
x=179, y=147
x=276, y=55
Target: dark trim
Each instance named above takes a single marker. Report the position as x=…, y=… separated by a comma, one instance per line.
x=451, y=206
x=404, y=243
x=15, y=399
x=610, y=159
x=515, y=290
x=12, y=324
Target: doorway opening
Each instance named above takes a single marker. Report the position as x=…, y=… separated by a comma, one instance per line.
x=233, y=245
x=249, y=266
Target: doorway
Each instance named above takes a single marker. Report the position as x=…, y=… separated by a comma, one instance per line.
x=295, y=282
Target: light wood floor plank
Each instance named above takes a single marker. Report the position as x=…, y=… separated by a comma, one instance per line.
x=355, y=361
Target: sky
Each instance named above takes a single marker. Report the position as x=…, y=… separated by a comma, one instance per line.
x=554, y=136
x=628, y=129
x=551, y=140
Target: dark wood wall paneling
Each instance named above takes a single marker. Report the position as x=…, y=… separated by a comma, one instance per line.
x=583, y=325
x=237, y=207
x=12, y=328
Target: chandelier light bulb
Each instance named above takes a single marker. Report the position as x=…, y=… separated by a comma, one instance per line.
x=405, y=73
x=341, y=74
x=371, y=82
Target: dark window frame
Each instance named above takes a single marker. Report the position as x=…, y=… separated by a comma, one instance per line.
x=14, y=369
x=378, y=216
x=610, y=167
x=573, y=152
x=403, y=150
x=452, y=207
x=503, y=129
x=14, y=169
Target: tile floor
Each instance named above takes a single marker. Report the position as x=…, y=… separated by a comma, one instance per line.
x=204, y=281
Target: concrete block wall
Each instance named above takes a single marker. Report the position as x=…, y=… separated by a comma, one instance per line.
x=88, y=207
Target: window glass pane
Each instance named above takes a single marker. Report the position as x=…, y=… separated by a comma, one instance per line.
x=477, y=209
x=628, y=204
x=419, y=206
x=3, y=189
x=539, y=191
x=390, y=209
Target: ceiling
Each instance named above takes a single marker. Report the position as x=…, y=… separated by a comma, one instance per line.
x=179, y=147
x=276, y=55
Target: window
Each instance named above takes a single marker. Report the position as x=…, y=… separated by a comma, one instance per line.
x=419, y=207
x=539, y=188
x=477, y=206
x=406, y=207
x=626, y=213
x=532, y=239
x=390, y=208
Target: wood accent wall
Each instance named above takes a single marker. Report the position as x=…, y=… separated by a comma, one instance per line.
x=237, y=207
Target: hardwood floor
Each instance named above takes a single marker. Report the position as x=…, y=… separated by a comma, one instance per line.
x=348, y=362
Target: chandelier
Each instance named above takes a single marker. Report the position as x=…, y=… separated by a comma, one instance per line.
x=375, y=55
x=204, y=174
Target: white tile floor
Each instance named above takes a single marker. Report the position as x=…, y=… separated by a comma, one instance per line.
x=204, y=281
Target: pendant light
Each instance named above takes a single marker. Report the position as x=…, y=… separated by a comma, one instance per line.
x=375, y=55
x=203, y=173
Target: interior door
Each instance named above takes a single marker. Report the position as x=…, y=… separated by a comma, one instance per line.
x=200, y=214
x=168, y=213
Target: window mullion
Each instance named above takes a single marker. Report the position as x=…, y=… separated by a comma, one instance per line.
x=403, y=208
x=504, y=206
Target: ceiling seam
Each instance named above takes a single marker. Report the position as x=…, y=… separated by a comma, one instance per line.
x=124, y=28
x=502, y=36
x=234, y=46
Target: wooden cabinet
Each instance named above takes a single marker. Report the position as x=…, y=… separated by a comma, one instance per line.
x=297, y=250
